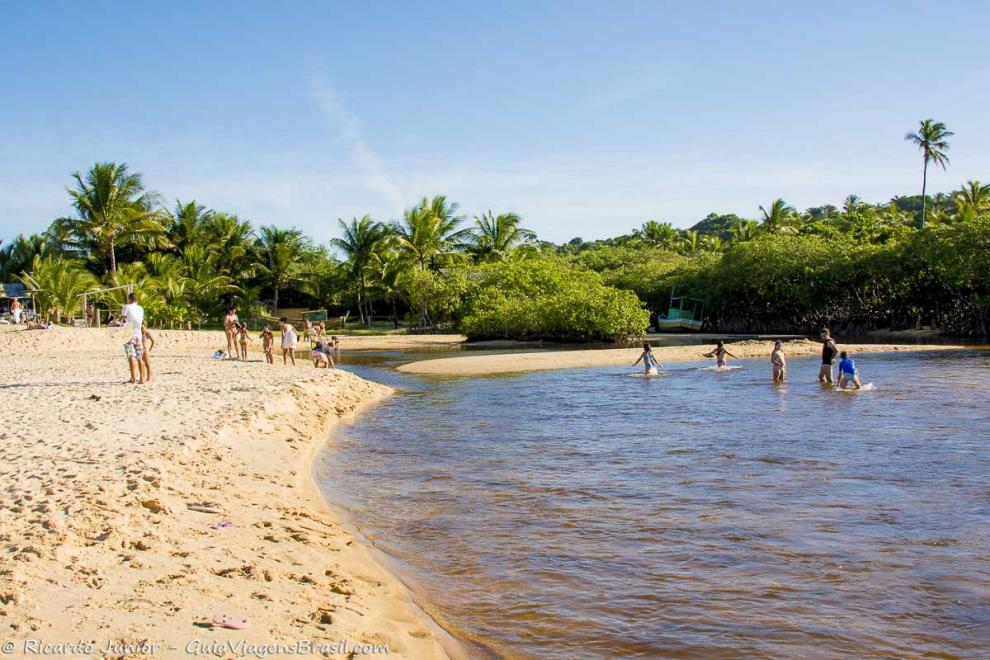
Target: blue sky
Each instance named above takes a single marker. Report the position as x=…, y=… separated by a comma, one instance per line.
x=586, y=118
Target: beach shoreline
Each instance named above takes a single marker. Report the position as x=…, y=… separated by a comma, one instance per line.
x=508, y=363
x=98, y=475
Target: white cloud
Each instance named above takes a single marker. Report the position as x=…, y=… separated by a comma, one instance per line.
x=351, y=132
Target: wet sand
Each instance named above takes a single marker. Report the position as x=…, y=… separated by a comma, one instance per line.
x=479, y=365
x=97, y=474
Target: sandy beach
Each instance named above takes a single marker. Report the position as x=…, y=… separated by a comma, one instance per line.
x=478, y=365
x=100, y=546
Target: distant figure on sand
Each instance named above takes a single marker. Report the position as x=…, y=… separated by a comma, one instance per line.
x=242, y=338
x=829, y=350
x=268, y=344
x=230, y=330
x=289, y=339
x=15, y=310
x=650, y=363
x=132, y=314
x=149, y=343
x=848, y=374
x=778, y=362
x=719, y=354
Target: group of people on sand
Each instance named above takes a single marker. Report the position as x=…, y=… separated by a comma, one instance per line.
x=848, y=373
x=238, y=338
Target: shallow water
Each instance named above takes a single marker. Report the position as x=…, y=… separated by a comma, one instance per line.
x=590, y=513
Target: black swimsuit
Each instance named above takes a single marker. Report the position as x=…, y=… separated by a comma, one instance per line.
x=828, y=352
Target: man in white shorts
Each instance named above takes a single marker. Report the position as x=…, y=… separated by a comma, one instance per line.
x=133, y=316
x=15, y=310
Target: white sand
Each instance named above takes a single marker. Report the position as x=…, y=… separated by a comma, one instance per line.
x=98, y=543
x=477, y=365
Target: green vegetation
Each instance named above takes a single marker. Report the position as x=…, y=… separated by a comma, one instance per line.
x=908, y=263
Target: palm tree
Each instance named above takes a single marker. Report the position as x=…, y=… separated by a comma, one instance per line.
x=429, y=231
x=744, y=230
x=494, y=237
x=18, y=255
x=778, y=218
x=972, y=200
x=660, y=234
x=713, y=243
x=931, y=139
x=189, y=224
x=60, y=283
x=851, y=204
x=279, y=252
x=691, y=242
x=360, y=240
x=232, y=240
x=113, y=209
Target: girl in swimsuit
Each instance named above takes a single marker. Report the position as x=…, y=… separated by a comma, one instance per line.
x=719, y=354
x=778, y=362
x=650, y=363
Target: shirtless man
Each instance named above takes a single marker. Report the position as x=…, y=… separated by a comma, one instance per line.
x=829, y=351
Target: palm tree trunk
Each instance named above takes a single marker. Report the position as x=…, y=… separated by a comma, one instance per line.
x=275, y=301
x=113, y=258
x=924, y=197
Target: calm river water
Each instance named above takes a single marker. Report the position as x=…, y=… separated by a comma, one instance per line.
x=587, y=513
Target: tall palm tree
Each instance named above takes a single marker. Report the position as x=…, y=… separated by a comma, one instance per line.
x=279, y=253
x=691, y=242
x=430, y=230
x=660, y=234
x=494, y=236
x=972, y=200
x=232, y=240
x=358, y=243
x=778, y=218
x=113, y=209
x=18, y=255
x=189, y=224
x=932, y=140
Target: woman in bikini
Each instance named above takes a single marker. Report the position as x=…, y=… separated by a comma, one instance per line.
x=230, y=329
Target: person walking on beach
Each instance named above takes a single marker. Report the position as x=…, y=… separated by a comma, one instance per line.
x=650, y=363
x=289, y=339
x=15, y=310
x=719, y=354
x=133, y=315
x=778, y=362
x=829, y=350
x=268, y=344
x=148, y=343
x=230, y=330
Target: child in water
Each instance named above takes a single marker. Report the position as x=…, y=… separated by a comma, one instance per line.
x=847, y=371
x=268, y=344
x=719, y=354
x=779, y=362
x=650, y=363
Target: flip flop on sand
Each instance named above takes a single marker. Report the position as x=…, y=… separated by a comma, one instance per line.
x=204, y=507
x=234, y=622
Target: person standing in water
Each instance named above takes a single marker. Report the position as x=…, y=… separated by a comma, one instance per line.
x=848, y=372
x=779, y=362
x=650, y=363
x=719, y=354
x=829, y=350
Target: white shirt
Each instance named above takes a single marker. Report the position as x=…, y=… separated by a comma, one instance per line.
x=133, y=313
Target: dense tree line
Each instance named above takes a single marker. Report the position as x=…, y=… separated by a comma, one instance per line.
x=913, y=261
